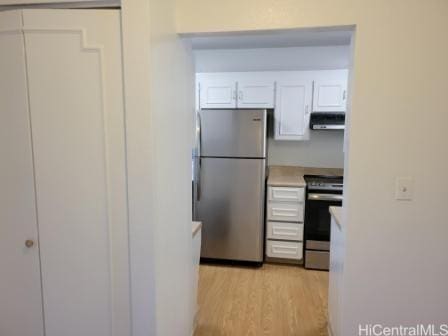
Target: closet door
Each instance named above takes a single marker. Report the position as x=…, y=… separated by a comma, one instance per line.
x=20, y=286
x=76, y=104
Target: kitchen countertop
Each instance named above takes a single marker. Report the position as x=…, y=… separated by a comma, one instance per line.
x=196, y=227
x=336, y=213
x=292, y=176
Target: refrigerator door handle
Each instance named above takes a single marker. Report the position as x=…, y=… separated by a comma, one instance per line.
x=199, y=135
x=198, y=176
x=198, y=181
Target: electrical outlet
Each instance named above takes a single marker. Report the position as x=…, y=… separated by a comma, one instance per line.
x=404, y=189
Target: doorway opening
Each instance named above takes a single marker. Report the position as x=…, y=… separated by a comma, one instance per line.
x=301, y=78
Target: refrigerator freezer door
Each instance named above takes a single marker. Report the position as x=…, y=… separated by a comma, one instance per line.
x=233, y=133
x=231, y=208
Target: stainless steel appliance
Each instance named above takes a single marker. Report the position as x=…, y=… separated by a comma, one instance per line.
x=321, y=193
x=229, y=183
x=327, y=121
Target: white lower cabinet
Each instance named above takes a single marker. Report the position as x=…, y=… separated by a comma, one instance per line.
x=284, y=249
x=285, y=211
x=285, y=194
x=285, y=231
x=337, y=253
x=284, y=226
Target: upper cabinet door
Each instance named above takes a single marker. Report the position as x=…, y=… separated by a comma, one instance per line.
x=76, y=105
x=255, y=94
x=20, y=284
x=217, y=93
x=292, y=110
x=330, y=95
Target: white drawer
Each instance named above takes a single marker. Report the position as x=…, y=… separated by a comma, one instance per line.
x=285, y=250
x=285, y=212
x=286, y=194
x=285, y=231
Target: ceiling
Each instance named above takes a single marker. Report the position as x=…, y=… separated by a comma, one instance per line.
x=272, y=39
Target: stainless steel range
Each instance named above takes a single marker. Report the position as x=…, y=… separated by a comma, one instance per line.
x=321, y=193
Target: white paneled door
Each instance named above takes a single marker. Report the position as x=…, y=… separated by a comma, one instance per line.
x=255, y=94
x=217, y=94
x=330, y=95
x=292, y=113
x=76, y=124
x=20, y=287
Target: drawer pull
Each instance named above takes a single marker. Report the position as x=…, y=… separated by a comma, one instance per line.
x=284, y=212
x=292, y=197
x=286, y=194
x=285, y=231
x=284, y=249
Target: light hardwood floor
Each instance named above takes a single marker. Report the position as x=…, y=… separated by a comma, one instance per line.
x=275, y=300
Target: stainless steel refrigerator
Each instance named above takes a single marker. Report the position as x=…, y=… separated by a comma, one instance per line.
x=229, y=183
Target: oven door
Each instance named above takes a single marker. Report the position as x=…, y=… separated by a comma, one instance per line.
x=317, y=214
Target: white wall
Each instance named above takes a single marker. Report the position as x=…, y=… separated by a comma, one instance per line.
x=324, y=149
x=272, y=59
x=395, y=269
x=159, y=84
x=172, y=108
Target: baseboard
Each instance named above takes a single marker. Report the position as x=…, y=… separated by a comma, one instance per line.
x=283, y=261
x=195, y=320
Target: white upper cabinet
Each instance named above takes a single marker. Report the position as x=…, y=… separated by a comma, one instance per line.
x=293, y=95
x=235, y=90
x=255, y=94
x=292, y=111
x=330, y=95
x=217, y=93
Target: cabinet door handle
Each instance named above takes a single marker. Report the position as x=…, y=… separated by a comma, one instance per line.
x=344, y=95
x=240, y=95
x=307, y=110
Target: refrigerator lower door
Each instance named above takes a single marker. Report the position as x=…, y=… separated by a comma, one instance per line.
x=231, y=207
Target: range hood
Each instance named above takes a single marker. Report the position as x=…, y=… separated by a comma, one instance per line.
x=327, y=121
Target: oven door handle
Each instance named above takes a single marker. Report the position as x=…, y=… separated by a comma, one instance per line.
x=325, y=197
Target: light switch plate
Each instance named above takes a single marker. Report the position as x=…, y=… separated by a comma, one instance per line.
x=404, y=189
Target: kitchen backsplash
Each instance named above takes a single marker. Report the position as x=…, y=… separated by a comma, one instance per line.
x=324, y=149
